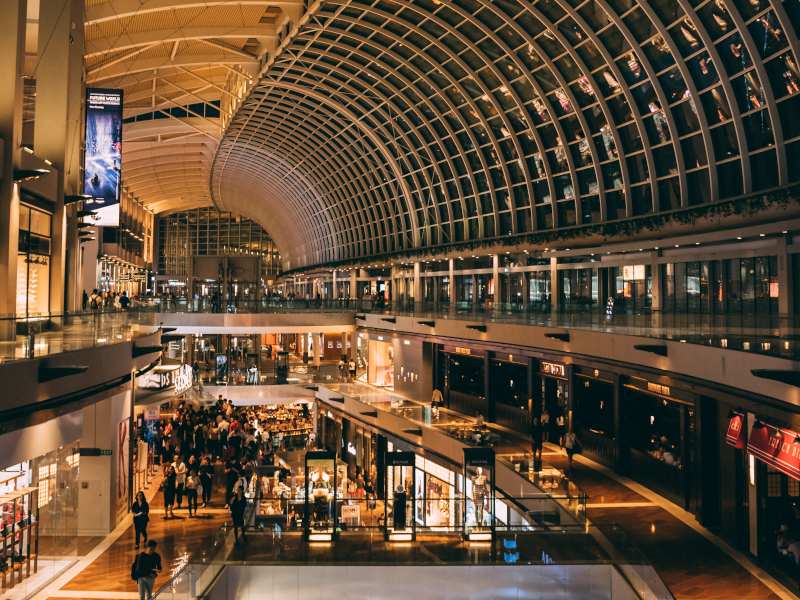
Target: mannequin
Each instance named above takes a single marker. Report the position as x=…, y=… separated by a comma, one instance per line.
x=480, y=489
x=399, y=510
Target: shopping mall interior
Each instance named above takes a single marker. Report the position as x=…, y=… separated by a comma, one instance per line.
x=400, y=299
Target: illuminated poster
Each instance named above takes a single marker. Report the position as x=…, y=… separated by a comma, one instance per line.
x=102, y=159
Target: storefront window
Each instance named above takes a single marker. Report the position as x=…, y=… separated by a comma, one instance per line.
x=33, y=262
x=381, y=364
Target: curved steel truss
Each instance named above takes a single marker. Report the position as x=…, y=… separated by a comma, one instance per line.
x=384, y=126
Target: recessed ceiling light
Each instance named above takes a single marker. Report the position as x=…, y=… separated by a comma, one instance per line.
x=677, y=245
x=738, y=237
x=762, y=235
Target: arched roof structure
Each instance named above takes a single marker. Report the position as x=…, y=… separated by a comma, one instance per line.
x=183, y=66
x=383, y=126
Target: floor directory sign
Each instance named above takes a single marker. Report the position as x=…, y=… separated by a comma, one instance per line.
x=102, y=160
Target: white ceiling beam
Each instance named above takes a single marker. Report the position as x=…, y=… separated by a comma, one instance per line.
x=148, y=64
x=121, y=9
x=115, y=43
x=227, y=48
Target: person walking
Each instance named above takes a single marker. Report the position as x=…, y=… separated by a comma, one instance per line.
x=536, y=441
x=238, y=506
x=146, y=567
x=351, y=369
x=180, y=478
x=169, y=486
x=84, y=301
x=571, y=445
x=192, y=485
x=141, y=515
x=206, y=478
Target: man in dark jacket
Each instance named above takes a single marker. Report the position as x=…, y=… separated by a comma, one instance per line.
x=146, y=567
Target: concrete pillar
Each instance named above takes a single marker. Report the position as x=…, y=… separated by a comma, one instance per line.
x=555, y=293
x=496, y=281
x=451, y=278
x=785, y=283
x=57, y=130
x=335, y=286
x=317, y=341
x=353, y=285
x=526, y=290
x=417, y=290
x=12, y=49
x=657, y=290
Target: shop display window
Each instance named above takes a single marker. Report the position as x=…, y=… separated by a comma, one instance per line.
x=399, y=505
x=435, y=497
x=479, y=514
x=380, y=369
x=320, y=496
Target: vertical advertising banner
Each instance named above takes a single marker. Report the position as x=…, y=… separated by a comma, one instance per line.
x=102, y=160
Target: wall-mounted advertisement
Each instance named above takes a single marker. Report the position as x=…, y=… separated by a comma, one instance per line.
x=102, y=160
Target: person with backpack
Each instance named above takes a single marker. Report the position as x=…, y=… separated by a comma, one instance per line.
x=95, y=300
x=144, y=570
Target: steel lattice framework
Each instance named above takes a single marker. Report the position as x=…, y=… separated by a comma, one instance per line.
x=384, y=126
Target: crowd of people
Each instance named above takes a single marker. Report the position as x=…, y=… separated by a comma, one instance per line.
x=107, y=300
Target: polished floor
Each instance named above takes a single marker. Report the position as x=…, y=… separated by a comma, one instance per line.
x=692, y=563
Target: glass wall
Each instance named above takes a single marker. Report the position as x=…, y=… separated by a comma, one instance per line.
x=579, y=289
x=209, y=232
x=731, y=286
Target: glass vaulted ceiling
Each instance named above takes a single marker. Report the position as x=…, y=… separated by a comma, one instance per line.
x=386, y=126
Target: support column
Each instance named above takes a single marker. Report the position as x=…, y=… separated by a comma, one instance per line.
x=555, y=294
x=496, y=299
x=656, y=301
x=451, y=278
x=334, y=293
x=12, y=49
x=317, y=341
x=785, y=282
x=353, y=285
x=417, y=285
x=526, y=290
x=57, y=132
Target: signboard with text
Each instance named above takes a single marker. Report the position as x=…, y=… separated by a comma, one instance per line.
x=777, y=447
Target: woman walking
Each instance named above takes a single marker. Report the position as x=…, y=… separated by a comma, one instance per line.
x=169, y=491
x=206, y=477
x=141, y=515
x=192, y=485
x=238, y=505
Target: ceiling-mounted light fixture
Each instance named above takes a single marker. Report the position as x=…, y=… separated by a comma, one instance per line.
x=73, y=198
x=99, y=200
x=29, y=174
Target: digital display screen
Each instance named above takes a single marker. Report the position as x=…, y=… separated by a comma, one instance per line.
x=102, y=161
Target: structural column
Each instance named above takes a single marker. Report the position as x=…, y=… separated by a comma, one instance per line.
x=451, y=278
x=353, y=285
x=417, y=285
x=335, y=295
x=526, y=290
x=496, y=281
x=785, y=283
x=57, y=132
x=12, y=49
x=317, y=341
x=656, y=300
x=554, y=291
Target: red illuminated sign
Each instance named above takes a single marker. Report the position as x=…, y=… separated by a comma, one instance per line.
x=776, y=447
x=735, y=434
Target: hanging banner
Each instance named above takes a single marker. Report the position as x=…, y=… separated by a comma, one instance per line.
x=102, y=159
x=779, y=448
x=735, y=434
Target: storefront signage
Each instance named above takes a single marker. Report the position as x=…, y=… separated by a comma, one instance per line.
x=479, y=457
x=460, y=350
x=735, y=434
x=779, y=448
x=95, y=452
x=183, y=379
x=554, y=369
x=658, y=388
